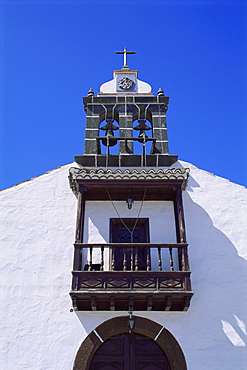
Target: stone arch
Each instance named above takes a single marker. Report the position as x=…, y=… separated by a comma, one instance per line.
x=109, y=112
x=119, y=325
x=143, y=112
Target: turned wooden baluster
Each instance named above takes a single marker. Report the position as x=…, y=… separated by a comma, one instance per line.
x=113, y=259
x=102, y=259
x=171, y=260
x=148, y=259
x=159, y=259
x=124, y=259
x=90, y=258
x=131, y=259
x=136, y=259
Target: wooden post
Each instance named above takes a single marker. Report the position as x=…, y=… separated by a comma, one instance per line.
x=80, y=216
x=179, y=215
x=79, y=230
x=77, y=258
x=180, y=228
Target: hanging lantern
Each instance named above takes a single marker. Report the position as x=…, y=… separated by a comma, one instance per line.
x=129, y=201
x=131, y=323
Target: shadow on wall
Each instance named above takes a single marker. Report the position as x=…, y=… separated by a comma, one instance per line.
x=218, y=278
x=218, y=308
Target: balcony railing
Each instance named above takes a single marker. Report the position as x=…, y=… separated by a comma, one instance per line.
x=134, y=247
x=131, y=284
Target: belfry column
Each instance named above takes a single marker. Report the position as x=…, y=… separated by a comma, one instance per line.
x=93, y=112
x=159, y=123
x=126, y=130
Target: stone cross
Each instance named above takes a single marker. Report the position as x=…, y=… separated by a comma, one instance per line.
x=125, y=52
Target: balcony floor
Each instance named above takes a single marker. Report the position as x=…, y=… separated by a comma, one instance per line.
x=131, y=290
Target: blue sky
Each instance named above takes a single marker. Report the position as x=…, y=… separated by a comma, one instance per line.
x=52, y=52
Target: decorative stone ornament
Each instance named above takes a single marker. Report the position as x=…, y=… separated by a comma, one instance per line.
x=90, y=92
x=125, y=83
x=160, y=92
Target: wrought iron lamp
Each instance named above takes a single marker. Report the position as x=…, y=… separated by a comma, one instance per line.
x=131, y=323
x=129, y=201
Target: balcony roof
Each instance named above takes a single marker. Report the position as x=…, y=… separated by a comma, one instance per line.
x=124, y=178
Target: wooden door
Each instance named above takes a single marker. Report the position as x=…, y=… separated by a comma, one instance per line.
x=135, y=232
x=129, y=352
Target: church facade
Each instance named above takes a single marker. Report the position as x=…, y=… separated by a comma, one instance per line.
x=156, y=247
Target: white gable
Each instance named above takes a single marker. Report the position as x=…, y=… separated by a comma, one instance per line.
x=37, y=234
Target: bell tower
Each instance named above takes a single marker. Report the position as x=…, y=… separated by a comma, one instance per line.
x=126, y=105
x=130, y=251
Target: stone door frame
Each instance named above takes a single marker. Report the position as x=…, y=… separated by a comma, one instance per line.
x=120, y=325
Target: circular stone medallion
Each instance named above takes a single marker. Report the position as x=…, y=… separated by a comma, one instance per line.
x=125, y=83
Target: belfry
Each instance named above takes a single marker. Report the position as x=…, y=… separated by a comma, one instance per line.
x=131, y=251
x=125, y=106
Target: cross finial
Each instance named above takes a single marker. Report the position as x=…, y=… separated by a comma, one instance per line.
x=125, y=52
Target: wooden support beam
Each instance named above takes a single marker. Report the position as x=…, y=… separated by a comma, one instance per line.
x=168, y=303
x=74, y=303
x=93, y=304
x=187, y=304
x=112, y=303
x=131, y=304
x=150, y=303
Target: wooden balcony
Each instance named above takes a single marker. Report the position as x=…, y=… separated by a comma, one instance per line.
x=97, y=287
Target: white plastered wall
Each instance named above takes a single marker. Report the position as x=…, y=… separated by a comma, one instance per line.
x=37, y=233
x=37, y=228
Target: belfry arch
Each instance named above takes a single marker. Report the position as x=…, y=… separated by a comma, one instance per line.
x=120, y=325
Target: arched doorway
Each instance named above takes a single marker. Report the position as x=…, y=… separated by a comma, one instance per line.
x=116, y=330
x=129, y=351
